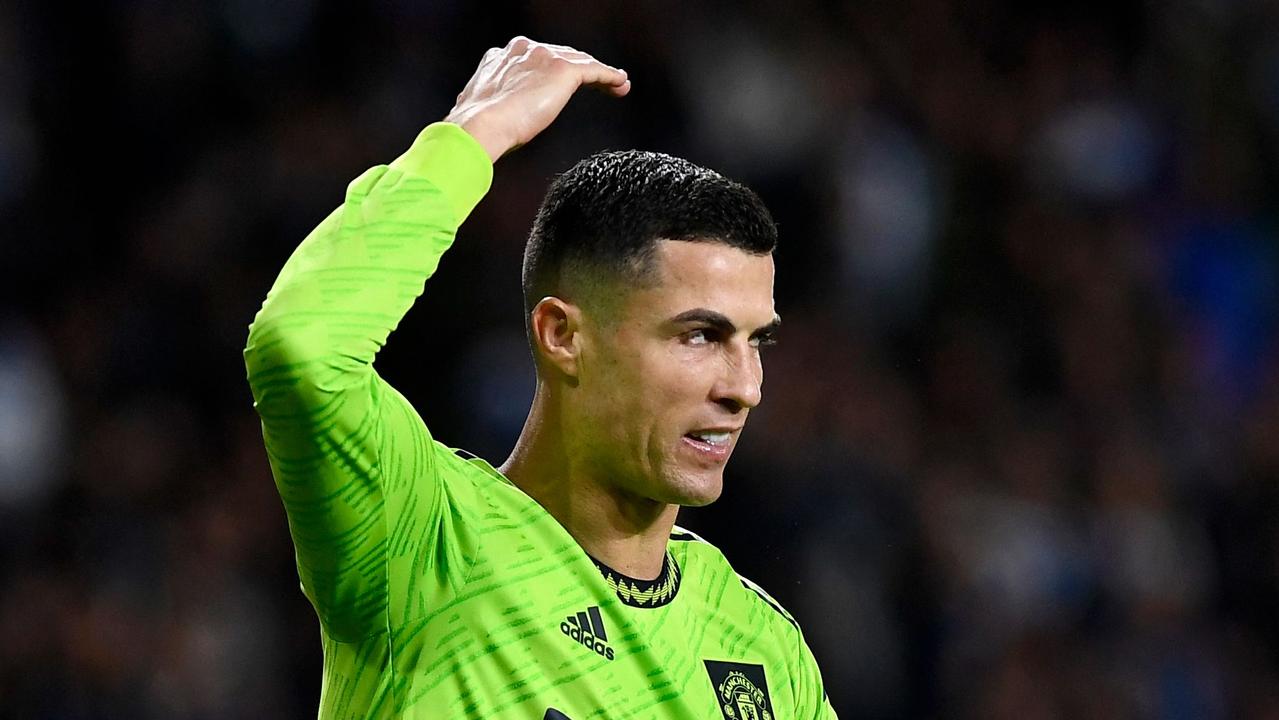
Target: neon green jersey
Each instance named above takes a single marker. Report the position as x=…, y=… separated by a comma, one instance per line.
x=444, y=591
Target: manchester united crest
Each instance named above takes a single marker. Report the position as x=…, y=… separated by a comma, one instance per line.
x=742, y=690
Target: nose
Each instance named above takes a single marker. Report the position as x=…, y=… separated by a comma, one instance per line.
x=741, y=383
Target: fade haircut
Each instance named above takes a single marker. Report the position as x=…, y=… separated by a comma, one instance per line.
x=600, y=221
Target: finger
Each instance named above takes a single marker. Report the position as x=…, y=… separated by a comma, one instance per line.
x=587, y=69
x=618, y=90
x=612, y=90
x=575, y=56
x=581, y=58
x=563, y=49
x=597, y=73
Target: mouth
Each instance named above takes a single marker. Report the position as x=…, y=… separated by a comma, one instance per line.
x=711, y=437
x=712, y=444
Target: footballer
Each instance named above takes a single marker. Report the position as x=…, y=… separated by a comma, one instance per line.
x=556, y=584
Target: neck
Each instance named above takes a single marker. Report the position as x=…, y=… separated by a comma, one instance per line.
x=624, y=531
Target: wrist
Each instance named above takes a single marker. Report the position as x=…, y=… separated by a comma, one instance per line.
x=453, y=161
x=474, y=124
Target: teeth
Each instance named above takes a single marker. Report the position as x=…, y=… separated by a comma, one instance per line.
x=712, y=438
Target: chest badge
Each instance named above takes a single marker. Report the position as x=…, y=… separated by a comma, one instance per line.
x=587, y=628
x=742, y=690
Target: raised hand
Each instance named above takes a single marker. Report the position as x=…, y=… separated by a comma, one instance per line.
x=518, y=90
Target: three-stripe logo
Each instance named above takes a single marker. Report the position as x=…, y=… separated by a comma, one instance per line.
x=587, y=628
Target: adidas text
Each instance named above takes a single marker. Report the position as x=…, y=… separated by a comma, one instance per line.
x=589, y=631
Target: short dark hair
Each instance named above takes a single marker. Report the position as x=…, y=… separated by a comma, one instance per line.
x=604, y=216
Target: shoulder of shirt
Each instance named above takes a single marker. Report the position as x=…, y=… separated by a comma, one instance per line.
x=470, y=461
x=456, y=464
x=680, y=534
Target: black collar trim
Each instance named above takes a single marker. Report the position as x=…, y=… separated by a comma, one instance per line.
x=644, y=593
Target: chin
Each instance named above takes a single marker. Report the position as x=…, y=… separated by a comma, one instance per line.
x=694, y=491
x=702, y=501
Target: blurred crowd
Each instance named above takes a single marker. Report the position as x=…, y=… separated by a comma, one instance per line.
x=1019, y=447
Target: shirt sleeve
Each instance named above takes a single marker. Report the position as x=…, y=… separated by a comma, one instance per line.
x=354, y=464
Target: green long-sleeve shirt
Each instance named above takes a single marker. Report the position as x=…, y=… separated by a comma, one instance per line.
x=442, y=590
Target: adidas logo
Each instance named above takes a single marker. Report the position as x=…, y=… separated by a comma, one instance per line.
x=587, y=628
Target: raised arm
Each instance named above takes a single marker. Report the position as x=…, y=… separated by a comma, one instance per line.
x=350, y=456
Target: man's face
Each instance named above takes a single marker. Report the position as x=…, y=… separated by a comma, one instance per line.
x=667, y=381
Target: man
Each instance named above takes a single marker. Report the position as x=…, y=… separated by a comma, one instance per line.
x=555, y=586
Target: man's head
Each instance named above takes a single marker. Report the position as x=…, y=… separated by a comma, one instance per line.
x=648, y=289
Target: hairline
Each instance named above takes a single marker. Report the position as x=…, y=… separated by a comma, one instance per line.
x=641, y=273
x=638, y=271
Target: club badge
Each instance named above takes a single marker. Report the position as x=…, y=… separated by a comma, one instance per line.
x=742, y=690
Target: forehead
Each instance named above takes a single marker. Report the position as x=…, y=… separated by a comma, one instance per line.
x=707, y=275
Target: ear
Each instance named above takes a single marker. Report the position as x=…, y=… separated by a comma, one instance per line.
x=557, y=327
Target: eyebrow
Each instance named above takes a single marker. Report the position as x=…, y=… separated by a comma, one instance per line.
x=722, y=323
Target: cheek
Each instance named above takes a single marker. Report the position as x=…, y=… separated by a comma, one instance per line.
x=655, y=384
x=651, y=390
x=681, y=379
x=622, y=394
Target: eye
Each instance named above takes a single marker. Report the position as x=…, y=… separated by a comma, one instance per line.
x=765, y=340
x=699, y=336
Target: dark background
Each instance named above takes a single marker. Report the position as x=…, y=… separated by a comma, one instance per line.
x=1019, y=446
